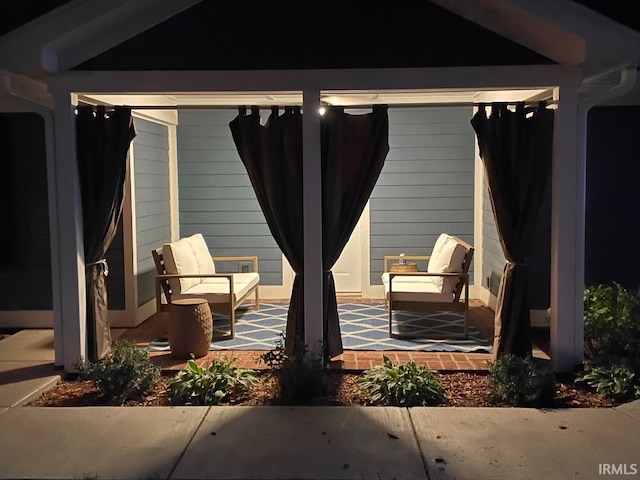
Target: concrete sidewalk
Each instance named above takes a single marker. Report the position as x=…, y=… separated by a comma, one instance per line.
x=296, y=442
x=317, y=443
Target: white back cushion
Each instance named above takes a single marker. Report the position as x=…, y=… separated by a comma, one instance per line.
x=447, y=257
x=179, y=259
x=201, y=253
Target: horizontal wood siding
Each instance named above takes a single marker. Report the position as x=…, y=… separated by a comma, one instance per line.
x=493, y=258
x=153, y=219
x=426, y=186
x=539, y=260
x=25, y=263
x=216, y=196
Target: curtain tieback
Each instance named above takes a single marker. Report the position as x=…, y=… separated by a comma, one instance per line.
x=518, y=264
x=104, y=267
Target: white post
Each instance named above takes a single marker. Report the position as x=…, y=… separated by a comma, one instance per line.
x=312, y=220
x=567, y=238
x=69, y=275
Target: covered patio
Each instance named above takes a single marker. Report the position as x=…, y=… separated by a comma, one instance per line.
x=563, y=58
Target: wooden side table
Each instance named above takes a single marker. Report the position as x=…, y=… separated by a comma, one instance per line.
x=190, y=327
x=407, y=267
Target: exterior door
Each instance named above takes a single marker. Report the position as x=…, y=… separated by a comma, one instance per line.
x=347, y=272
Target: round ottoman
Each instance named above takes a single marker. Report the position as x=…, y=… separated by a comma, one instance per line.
x=190, y=328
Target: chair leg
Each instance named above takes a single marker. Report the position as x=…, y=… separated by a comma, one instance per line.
x=257, y=297
x=390, y=317
x=232, y=316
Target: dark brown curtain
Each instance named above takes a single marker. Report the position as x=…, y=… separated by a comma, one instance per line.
x=272, y=155
x=516, y=149
x=102, y=141
x=354, y=148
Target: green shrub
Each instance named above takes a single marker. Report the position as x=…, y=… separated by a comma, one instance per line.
x=611, y=322
x=196, y=385
x=124, y=374
x=300, y=375
x=612, y=341
x=615, y=379
x=401, y=385
x=520, y=382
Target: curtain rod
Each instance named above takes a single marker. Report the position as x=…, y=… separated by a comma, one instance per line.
x=265, y=107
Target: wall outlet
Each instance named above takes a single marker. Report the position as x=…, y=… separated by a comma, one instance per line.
x=244, y=267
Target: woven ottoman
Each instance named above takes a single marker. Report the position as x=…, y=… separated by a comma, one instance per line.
x=190, y=328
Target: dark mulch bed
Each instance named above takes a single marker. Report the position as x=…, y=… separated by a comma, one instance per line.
x=463, y=390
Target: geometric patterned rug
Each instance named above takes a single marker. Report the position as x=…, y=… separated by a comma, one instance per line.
x=363, y=327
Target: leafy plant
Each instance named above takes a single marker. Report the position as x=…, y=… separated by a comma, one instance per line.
x=618, y=380
x=611, y=321
x=300, y=375
x=126, y=373
x=612, y=341
x=402, y=385
x=520, y=382
x=196, y=385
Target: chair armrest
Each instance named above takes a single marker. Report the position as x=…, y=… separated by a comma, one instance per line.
x=406, y=257
x=428, y=274
x=228, y=276
x=251, y=258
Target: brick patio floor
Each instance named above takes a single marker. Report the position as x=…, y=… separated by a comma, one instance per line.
x=479, y=315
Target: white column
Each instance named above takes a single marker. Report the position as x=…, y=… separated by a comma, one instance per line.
x=567, y=236
x=478, y=223
x=312, y=221
x=68, y=256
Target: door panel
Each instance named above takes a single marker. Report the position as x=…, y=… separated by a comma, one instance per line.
x=347, y=272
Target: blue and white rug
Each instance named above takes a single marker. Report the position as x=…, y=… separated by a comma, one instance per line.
x=363, y=327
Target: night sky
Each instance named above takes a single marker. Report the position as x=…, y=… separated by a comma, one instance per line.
x=18, y=12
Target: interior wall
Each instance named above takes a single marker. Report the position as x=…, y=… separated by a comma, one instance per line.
x=216, y=196
x=152, y=208
x=426, y=186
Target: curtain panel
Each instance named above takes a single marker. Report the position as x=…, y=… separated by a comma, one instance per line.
x=102, y=141
x=272, y=156
x=353, y=150
x=516, y=148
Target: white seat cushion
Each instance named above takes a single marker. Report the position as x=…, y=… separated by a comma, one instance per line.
x=218, y=292
x=415, y=288
x=251, y=278
x=447, y=257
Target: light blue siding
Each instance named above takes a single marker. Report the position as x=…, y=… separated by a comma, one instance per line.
x=539, y=258
x=426, y=186
x=153, y=218
x=216, y=196
x=493, y=260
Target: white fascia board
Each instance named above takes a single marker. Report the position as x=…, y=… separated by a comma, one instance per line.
x=533, y=31
x=21, y=49
x=80, y=30
x=481, y=78
x=563, y=31
x=607, y=41
x=108, y=30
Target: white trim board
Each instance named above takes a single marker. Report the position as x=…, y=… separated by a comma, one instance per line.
x=478, y=78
